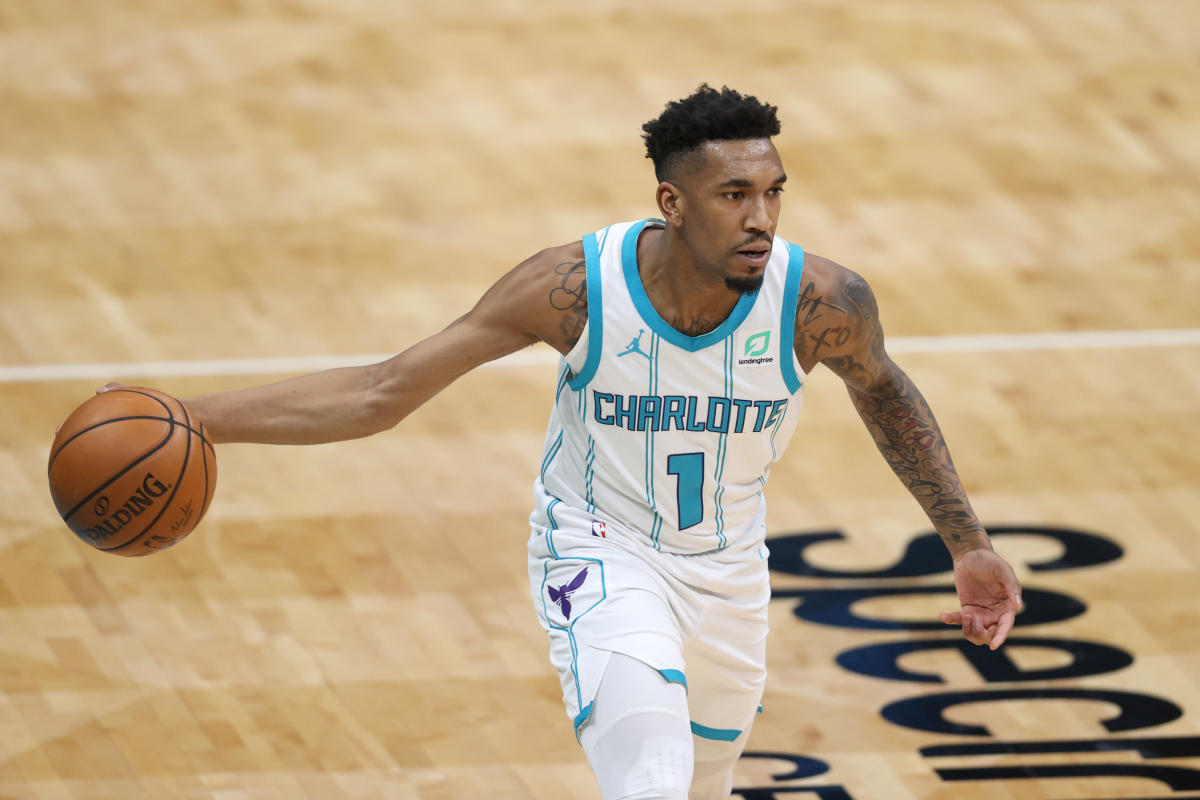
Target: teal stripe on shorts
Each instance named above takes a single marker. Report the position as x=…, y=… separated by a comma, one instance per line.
x=717, y=734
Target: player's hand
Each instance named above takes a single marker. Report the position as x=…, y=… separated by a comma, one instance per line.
x=990, y=595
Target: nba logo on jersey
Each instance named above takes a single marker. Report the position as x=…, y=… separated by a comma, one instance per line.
x=599, y=529
x=753, y=348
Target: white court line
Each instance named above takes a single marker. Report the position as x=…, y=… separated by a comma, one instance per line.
x=981, y=343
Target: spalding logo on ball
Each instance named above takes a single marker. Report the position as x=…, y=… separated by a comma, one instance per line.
x=131, y=471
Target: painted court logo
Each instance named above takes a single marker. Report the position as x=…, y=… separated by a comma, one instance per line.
x=562, y=595
x=755, y=348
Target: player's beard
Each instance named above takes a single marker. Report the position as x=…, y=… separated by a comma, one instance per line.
x=747, y=285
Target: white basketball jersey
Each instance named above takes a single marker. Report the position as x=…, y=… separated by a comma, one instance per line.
x=662, y=435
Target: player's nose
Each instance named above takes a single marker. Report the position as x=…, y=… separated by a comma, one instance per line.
x=759, y=218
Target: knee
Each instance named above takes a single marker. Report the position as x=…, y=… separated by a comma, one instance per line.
x=633, y=761
x=715, y=786
x=713, y=770
x=662, y=771
x=639, y=739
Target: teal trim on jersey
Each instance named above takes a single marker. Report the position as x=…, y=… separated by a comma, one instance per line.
x=651, y=317
x=674, y=676
x=589, y=473
x=604, y=237
x=569, y=630
x=562, y=381
x=722, y=448
x=656, y=524
x=591, y=254
x=775, y=430
x=760, y=710
x=582, y=717
x=655, y=517
x=787, y=322
x=551, y=452
x=716, y=734
x=553, y=526
x=647, y=466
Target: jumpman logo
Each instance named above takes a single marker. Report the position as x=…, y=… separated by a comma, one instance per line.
x=635, y=346
x=562, y=595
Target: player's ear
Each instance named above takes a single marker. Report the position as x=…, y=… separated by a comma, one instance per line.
x=670, y=203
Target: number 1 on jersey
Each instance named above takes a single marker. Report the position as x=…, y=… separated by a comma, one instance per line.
x=688, y=469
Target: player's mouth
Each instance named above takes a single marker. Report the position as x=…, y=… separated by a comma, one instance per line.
x=755, y=255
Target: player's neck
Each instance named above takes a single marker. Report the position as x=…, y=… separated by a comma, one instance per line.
x=692, y=299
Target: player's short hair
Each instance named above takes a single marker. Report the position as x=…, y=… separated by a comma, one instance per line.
x=703, y=116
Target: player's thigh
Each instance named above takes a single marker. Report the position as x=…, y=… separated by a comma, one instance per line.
x=638, y=740
x=727, y=672
x=594, y=598
x=726, y=677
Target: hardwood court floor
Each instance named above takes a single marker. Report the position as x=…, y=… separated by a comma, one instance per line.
x=303, y=178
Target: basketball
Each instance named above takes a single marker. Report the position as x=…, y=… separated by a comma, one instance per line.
x=131, y=471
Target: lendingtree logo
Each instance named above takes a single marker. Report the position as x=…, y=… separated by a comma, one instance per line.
x=754, y=351
x=758, y=344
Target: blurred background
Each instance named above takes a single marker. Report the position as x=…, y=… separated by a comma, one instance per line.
x=231, y=181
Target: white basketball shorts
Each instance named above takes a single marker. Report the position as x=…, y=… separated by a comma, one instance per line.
x=700, y=620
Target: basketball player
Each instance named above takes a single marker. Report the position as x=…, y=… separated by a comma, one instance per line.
x=685, y=343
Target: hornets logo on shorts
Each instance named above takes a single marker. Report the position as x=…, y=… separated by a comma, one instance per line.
x=562, y=595
x=570, y=589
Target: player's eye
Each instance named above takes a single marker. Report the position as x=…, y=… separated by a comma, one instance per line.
x=775, y=191
x=732, y=195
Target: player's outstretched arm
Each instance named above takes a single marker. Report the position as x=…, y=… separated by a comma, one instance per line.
x=838, y=325
x=542, y=299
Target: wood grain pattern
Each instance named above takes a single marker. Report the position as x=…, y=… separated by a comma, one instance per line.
x=280, y=178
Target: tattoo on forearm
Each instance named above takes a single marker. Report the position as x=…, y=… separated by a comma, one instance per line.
x=837, y=324
x=907, y=435
x=571, y=296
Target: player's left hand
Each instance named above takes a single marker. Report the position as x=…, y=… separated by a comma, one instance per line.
x=990, y=595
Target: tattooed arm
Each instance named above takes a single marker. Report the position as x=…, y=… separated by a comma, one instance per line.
x=838, y=325
x=542, y=299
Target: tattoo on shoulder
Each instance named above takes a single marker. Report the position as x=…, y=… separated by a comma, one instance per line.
x=859, y=294
x=811, y=303
x=570, y=296
x=816, y=328
x=834, y=336
x=837, y=324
